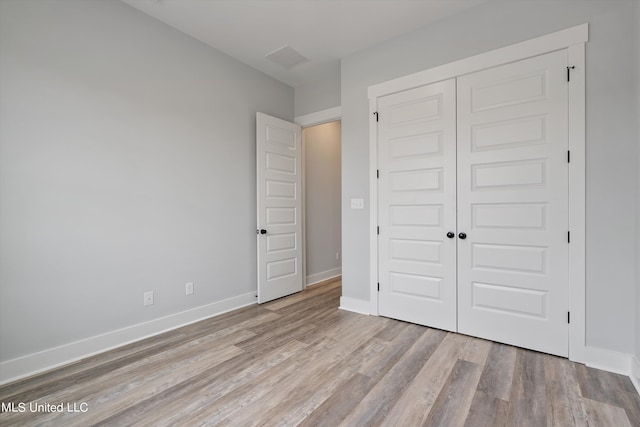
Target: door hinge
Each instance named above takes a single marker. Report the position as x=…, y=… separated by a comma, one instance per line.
x=568, y=237
x=378, y=286
x=569, y=72
x=378, y=173
x=375, y=113
x=378, y=228
x=568, y=317
x=568, y=156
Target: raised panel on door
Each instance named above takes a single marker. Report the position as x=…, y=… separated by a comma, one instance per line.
x=416, y=208
x=279, y=208
x=513, y=204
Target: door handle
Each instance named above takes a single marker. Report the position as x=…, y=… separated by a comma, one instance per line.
x=451, y=234
x=462, y=236
x=261, y=231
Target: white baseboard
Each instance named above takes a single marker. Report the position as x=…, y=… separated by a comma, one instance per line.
x=635, y=372
x=35, y=363
x=312, y=279
x=608, y=360
x=354, y=304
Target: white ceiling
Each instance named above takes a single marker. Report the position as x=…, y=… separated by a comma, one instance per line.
x=322, y=30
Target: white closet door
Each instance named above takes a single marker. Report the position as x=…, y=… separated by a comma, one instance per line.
x=417, y=190
x=513, y=204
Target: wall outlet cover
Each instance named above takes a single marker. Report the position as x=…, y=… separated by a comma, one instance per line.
x=148, y=298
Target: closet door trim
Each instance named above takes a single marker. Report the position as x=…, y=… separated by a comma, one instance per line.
x=573, y=39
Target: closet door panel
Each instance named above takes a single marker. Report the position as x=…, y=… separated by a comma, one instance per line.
x=416, y=208
x=513, y=204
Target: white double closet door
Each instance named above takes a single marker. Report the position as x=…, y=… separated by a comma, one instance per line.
x=473, y=204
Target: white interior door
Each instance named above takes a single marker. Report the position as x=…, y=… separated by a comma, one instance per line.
x=513, y=204
x=417, y=205
x=279, y=185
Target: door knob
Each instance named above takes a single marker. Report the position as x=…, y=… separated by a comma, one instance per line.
x=462, y=236
x=261, y=231
x=451, y=234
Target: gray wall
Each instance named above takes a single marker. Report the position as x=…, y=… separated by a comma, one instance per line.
x=611, y=138
x=127, y=164
x=319, y=95
x=322, y=197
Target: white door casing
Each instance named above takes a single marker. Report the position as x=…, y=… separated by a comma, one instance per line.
x=417, y=205
x=572, y=40
x=279, y=207
x=513, y=203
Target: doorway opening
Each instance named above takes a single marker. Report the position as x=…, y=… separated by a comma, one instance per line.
x=322, y=202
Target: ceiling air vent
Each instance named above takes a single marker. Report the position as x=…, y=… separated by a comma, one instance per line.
x=286, y=57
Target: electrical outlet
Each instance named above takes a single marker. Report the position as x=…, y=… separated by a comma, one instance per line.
x=189, y=288
x=148, y=298
x=337, y=255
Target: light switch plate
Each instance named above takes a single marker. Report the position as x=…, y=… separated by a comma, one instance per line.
x=357, y=203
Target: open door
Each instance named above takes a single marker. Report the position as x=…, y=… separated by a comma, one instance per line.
x=279, y=186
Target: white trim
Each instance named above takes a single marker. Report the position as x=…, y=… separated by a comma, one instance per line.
x=516, y=52
x=613, y=361
x=319, y=117
x=303, y=171
x=635, y=373
x=608, y=360
x=577, y=203
x=373, y=208
x=313, y=279
x=573, y=40
x=35, y=363
x=354, y=304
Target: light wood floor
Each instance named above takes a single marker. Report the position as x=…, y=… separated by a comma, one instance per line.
x=301, y=361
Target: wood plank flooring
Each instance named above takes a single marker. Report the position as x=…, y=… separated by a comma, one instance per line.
x=302, y=361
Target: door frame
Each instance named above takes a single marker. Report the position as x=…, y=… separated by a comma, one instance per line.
x=306, y=121
x=573, y=40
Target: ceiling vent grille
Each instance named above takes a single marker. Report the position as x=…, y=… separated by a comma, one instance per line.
x=286, y=57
